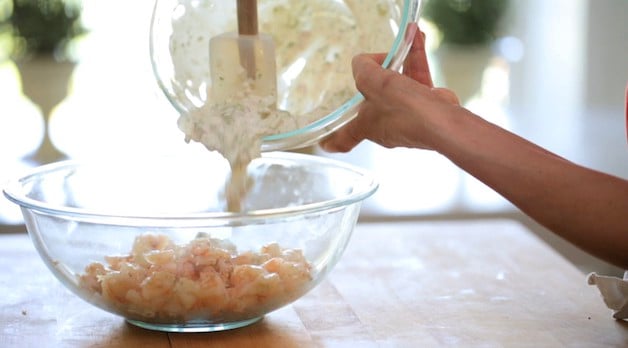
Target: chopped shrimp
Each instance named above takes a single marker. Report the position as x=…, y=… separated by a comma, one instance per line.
x=186, y=269
x=292, y=274
x=214, y=291
x=251, y=258
x=272, y=249
x=293, y=255
x=89, y=280
x=206, y=278
x=146, y=243
x=251, y=285
x=187, y=292
x=157, y=287
x=159, y=257
x=115, y=262
x=116, y=284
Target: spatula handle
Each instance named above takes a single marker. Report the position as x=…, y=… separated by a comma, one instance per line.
x=247, y=17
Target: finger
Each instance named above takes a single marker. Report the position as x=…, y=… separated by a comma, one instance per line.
x=366, y=71
x=371, y=79
x=364, y=64
x=378, y=58
x=350, y=134
x=342, y=140
x=416, y=64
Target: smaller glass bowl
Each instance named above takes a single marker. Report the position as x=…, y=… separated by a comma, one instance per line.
x=314, y=42
x=150, y=240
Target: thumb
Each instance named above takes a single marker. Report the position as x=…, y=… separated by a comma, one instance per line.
x=370, y=77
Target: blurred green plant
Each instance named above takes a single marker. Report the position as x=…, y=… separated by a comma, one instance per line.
x=466, y=22
x=6, y=44
x=38, y=27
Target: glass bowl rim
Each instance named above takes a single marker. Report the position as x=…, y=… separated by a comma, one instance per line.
x=14, y=191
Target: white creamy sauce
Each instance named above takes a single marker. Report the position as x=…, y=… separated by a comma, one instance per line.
x=235, y=129
x=314, y=42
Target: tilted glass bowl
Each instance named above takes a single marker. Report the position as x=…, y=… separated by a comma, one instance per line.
x=150, y=240
x=314, y=40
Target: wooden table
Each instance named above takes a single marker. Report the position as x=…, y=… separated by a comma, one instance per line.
x=412, y=284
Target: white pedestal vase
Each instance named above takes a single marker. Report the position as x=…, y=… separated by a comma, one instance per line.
x=461, y=68
x=45, y=83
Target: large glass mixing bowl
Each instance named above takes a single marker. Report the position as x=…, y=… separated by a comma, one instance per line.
x=149, y=239
x=314, y=43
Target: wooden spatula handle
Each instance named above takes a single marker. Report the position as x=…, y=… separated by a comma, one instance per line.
x=247, y=17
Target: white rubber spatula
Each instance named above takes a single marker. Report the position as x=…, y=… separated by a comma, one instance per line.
x=243, y=57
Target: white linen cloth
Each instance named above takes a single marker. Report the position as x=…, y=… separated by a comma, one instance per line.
x=614, y=291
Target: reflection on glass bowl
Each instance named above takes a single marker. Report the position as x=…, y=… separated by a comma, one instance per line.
x=150, y=239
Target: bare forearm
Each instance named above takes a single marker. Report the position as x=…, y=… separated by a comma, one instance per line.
x=586, y=207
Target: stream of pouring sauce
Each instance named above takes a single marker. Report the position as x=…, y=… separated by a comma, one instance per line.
x=315, y=42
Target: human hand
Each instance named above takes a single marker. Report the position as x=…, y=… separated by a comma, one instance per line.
x=396, y=105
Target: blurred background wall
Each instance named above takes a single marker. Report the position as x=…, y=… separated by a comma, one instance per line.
x=553, y=71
